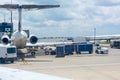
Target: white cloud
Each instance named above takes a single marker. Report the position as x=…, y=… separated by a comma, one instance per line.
x=85, y=15
x=76, y=16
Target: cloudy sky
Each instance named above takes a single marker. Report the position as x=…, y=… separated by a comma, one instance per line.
x=74, y=17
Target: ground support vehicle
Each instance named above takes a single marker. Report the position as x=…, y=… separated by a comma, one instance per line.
x=8, y=53
x=101, y=50
x=115, y=44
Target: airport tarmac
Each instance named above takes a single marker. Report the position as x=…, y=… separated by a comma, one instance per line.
x=76, y=67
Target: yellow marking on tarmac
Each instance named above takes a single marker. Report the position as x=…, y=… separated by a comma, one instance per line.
x=25, y=62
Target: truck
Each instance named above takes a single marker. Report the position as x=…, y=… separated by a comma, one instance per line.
x=115, y=44
x=8, y=53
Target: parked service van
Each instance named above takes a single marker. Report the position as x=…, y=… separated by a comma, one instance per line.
x=8, y=53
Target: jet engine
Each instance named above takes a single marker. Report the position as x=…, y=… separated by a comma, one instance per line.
x=5, y=39
x=33, y=39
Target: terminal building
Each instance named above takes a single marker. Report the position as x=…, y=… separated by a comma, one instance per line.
x=6, y=28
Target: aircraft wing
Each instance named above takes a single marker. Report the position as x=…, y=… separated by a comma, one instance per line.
x=9, y=6
x=27, y=7
x=49, y=43
x=16, y=74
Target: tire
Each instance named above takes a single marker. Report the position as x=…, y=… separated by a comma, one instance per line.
x=3, y=61
x=96, y=52
x=111, y=46
x=79, y=52
x=102, y=52
x=12, y=61
x=90, y=52
x=71, y=53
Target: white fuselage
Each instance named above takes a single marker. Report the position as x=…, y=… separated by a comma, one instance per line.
x=19, y=39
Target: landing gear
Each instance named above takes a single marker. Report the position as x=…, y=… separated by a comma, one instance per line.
x=33, y=54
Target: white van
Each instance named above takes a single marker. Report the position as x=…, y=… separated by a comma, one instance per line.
x=7, y=53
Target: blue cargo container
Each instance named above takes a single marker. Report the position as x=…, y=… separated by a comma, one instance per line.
x=60, y=50
x=69, y=49
x=84, y=47
x=75, y=47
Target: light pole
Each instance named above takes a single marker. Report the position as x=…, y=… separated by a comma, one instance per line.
x=94, y=35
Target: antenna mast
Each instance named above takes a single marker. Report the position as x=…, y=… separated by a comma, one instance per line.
x=11, y=13
x=4, y=18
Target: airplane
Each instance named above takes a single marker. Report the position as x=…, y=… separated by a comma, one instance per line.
x=19, y=37
x=16, y=74
x=103, y=37
x=49, y=43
